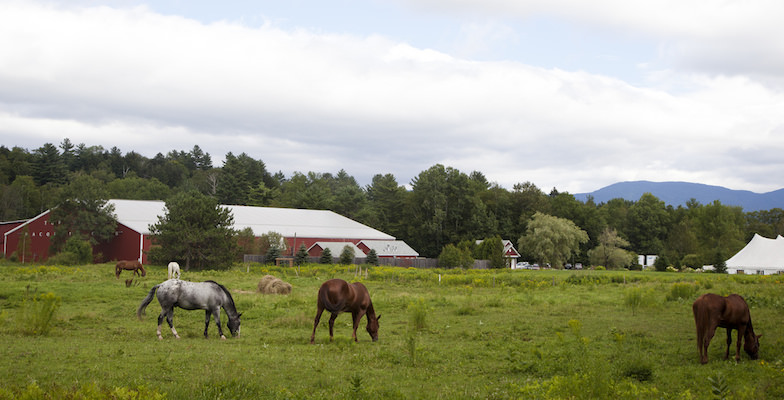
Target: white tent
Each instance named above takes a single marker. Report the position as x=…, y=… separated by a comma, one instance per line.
x=760, y=256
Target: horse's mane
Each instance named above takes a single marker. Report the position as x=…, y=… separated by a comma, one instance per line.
x=228, y=295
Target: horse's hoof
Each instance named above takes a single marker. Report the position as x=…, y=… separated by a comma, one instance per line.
x=223, y=337
x=160, y=337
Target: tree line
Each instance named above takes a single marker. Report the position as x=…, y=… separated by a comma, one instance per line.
x=442, y=208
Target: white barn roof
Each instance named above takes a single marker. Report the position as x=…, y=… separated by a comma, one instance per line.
x=289, y=222
x=390, y=248
x=760, y=255
x=336, y=248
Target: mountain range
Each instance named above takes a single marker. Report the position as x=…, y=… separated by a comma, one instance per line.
x=678, y=193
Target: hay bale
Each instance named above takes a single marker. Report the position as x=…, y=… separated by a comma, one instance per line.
x=272, y=285
x=264, y=282
x=280, y=287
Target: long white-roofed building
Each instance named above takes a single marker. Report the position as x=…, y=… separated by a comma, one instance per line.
x=298, y=226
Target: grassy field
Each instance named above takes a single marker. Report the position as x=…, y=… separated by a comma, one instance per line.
x=444, y=334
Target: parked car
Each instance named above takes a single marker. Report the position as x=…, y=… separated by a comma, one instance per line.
x=522, y=265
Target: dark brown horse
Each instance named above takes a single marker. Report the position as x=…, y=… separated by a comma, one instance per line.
x=131, y=265
x=731, y=312
x=336, y=296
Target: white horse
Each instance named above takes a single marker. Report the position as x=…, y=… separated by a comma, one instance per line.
x=174, y=270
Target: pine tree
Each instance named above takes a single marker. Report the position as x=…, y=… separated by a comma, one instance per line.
x=326, y=256
x=372, y=257
x=302, y=255
x=196, y=229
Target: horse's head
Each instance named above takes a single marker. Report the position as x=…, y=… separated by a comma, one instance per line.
x=372, y=327
x=234, y=325
x=751, y=344
x=144, y=273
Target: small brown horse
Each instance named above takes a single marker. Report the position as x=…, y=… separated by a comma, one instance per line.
x=731, y=312
x=131, y=265
x=336, y=296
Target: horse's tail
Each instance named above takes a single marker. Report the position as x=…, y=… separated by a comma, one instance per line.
x=145, y=302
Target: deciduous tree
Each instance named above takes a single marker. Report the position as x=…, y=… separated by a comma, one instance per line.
x=551, y=239
x=611, y=252
x=82, y=209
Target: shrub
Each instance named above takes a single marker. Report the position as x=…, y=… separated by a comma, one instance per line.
x=639, y=370
x=347, y=255
x=453, y=257
x=63, y=258
x=660, y=264
x=38, y=312
x=681, y=291
x=418, y=310
x=81, y=249
x=633, y=298
x=692, y=260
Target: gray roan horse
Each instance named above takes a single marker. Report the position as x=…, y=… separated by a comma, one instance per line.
x=208, y=295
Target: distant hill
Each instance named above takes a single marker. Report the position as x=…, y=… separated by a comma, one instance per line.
x=678, y=193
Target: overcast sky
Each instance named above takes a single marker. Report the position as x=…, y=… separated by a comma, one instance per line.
x=568, y=94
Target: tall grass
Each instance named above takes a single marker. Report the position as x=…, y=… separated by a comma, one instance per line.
x=38, y=312
x=531, y=334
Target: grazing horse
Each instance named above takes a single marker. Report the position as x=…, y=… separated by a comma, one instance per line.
x=337, y=295
x=731, y=312
x=131, y=265
x=208, y=295
x=174, y=270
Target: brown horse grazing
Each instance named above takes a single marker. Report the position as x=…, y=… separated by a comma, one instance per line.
x=131, y=265
x=731, y=312
x=337, y=295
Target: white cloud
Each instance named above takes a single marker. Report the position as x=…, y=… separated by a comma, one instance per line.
x=712, y=36
x=302, y=100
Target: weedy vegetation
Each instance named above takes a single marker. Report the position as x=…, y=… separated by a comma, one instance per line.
x=71, y=332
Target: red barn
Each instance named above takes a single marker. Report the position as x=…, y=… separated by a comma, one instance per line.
x=132, y=236
x=335, y=248
x=29, y=239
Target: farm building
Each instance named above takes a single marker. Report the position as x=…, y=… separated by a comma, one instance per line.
x=335, y=248
x=132, y=236
x=510, y=253
x=29, y=238
x=388, y=248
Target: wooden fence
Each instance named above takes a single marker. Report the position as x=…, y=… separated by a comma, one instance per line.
x=385, y=261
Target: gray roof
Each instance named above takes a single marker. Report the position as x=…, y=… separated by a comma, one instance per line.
x=390, y=248
x=336, y=248
x=289, y=222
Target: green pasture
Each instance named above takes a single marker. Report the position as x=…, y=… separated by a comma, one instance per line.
x=444, y=334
